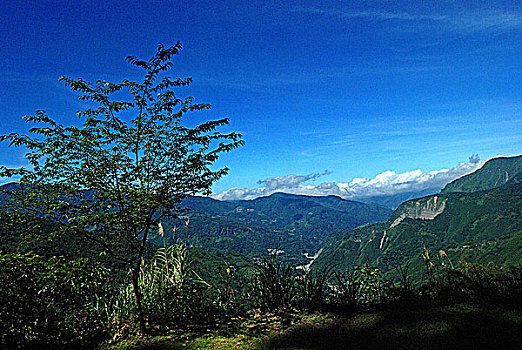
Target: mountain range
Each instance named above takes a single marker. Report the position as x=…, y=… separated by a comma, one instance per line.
x=475, y=218
x=292, y=225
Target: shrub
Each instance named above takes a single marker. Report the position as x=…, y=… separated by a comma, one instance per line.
x=173, y=295
x=274, y=284
x=235, y=295
x=371, y=286
x=312, y=286
x=479, y=283
x=50, y=302
x=363, y=286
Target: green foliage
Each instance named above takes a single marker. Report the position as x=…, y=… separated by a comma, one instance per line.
x=363, y=286
x=312, y=288
x=235, y=295
x=371, y=286
x=58, y=303
x=229, y=276
x=50, y=302
x=480, y=283
x=173, y=294
x=128, y=166
x=24, y=235
x=274, y=283
x=494, y=173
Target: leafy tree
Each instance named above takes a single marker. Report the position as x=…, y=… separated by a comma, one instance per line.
x=126, y=168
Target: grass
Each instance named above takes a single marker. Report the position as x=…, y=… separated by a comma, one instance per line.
x=249, y=332
x=461, y=326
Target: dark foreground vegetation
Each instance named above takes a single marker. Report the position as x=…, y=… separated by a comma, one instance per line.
x=55, y=303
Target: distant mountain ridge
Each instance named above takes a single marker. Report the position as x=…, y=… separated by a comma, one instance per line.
x=394, y=200
x=291, y=223
x=494, y=173
x=477, y=217
x=294, y=224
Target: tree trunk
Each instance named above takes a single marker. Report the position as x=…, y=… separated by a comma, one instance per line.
x=138, y=300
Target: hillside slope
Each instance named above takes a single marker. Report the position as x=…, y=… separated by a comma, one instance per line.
x=290, y=223
x=494, y=173
x=394, y=200
x=481, y=227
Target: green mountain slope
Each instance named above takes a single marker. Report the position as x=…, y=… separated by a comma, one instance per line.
x=290, y=223
x=495, y=172
x=36, y=235
x=482, y=226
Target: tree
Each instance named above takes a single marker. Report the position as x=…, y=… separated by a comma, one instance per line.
x=126, y=168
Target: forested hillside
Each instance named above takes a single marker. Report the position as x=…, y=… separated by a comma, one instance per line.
x=292, y=224
x=495, y=172
x=479, y=226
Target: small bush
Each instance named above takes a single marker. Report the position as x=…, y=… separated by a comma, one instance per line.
x=173, y=295
x=479, y=283
x=371, y=286
x=50, y=302
x=274, y=284
x=364, y=286
x=312, y=287
x=235, y=296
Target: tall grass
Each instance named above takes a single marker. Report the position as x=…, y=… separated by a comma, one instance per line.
x=312, y=288
x=56, y=303
x=274, y=283
x=173, y=294
x=479, y=283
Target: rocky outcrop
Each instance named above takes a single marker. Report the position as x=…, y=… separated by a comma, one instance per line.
x=425, y=209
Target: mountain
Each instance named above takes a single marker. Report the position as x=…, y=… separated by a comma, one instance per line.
x=291, y=224
x=479, y=225
x=494, y=173
x=287, y=223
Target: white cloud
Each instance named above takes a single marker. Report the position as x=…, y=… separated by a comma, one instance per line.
x=289, y=181
x=470, y=21
x=385, y=183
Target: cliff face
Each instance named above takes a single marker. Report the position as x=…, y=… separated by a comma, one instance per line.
x=481, y=227
x=425, y=208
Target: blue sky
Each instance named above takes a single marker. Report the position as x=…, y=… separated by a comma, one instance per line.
x=371, y=90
